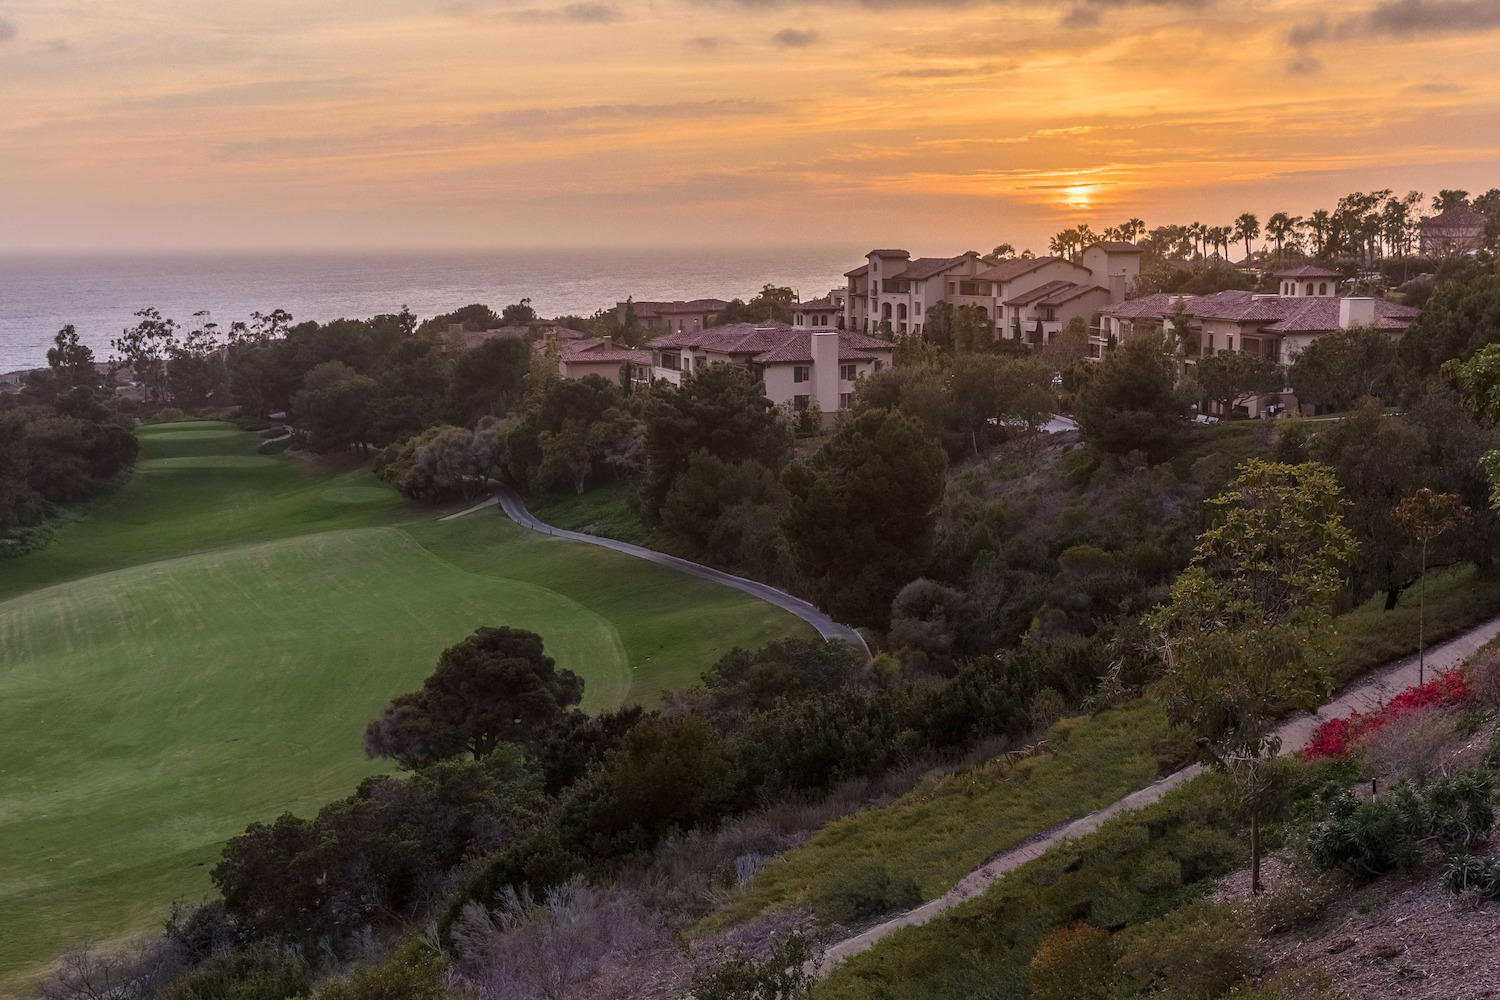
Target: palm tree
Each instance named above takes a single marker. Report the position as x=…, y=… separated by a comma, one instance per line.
x=1277, y=228
x=1318, y=225
x=1198, y=232
x=1247, y=228
x=1130, y=229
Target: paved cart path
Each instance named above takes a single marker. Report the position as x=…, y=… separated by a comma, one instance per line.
x=1370, y=692
x=515, y=509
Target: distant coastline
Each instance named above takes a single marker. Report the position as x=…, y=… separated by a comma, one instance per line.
x=99, y=291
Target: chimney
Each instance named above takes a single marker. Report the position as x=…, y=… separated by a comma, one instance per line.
x=1117, y=288
x=825, y=355
x=609, y=341
x=1356, y=312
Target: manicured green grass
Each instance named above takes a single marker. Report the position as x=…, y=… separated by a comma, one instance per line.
x=1457, y=600
x=948, y=826
x=604, y=511
x=673, y=627
x=204, y=647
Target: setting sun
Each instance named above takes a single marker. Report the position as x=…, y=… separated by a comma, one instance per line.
x=1079, y=196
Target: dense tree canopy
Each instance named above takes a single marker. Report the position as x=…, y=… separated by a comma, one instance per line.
x=862, y=510
x=1130, y=402
x=1461, y=317
x=1339, y=368
x=497, y=686
x=720, y=410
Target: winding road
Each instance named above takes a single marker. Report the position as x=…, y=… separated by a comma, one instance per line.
x=510, y=502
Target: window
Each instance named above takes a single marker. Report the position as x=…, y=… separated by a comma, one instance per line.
x=901, y=328
x=1049, y=314
x=901, y=310
x=801, y=373
x=671, y=361
x=952, y=287
x=799, y=403
x=799, y=319
x=885, y=310
x=1322, y=288
x=919, y=308
x=846, y=399
x=1309, y=288
x=848, y=373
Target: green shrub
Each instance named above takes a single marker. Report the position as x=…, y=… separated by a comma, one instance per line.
x=1467, y=873
x=405, y=977
x=783, y=975
x=1201, y=950
x=1295, y=901
x=1072, y=963
x=258, y=973
x=1368, y=839
x=864, y=893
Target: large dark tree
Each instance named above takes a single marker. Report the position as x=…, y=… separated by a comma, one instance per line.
x=1131, y=404
x=862, y=511
x=332, y=410
x=497, y=686
x=1338, y=369
x=1230, y=378
x=487, y=380
x=720, y=410
x=1461, y=317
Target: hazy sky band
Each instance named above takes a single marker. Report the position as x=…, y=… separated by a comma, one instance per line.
x=941, y=123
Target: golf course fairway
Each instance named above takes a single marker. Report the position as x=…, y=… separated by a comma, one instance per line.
x=204, y=647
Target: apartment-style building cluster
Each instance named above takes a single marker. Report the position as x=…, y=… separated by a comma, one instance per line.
x=849, y=333
x=1028, y=299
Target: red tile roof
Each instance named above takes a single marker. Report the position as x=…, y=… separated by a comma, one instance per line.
x=798, y=348
x=734, y=338
x=596, y=349
x=678, y=308
x=1054, y=293
x=769, y=343
x=1269, y=313
x=814, y=305
x=926, y=267
x=861, y=269
x=1113, y=246
x=1308, y=271
x=887, y=253
x=1009, y=270
x=1457, y=216
x=1317, y=314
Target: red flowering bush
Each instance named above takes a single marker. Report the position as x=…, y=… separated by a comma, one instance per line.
x=1336, y=737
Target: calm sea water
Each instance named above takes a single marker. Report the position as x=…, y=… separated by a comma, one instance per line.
x=98, y=293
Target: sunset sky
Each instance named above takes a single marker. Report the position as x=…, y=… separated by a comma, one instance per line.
x=929, y=123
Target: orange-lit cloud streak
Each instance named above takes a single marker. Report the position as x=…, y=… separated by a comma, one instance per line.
x=933, y=123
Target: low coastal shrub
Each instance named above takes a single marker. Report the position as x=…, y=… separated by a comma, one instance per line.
x=1387, y=833
x=865, y=893
x=1336, y=737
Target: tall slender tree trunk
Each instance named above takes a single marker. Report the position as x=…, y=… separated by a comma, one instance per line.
x=1255, y=887
x=1422, y=619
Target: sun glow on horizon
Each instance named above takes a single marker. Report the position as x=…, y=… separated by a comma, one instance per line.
x=1080, y=197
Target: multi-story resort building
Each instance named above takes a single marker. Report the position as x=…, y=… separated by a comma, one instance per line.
x=1275, y=327
x=1028, y=299
x=669, y=317
x=797, y=366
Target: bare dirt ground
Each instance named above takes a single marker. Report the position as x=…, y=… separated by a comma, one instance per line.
x=1404, y=937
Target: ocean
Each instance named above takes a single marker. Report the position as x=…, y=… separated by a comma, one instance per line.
x=100, y=292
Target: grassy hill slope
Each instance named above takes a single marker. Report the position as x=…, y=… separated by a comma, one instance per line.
x=205, y=647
